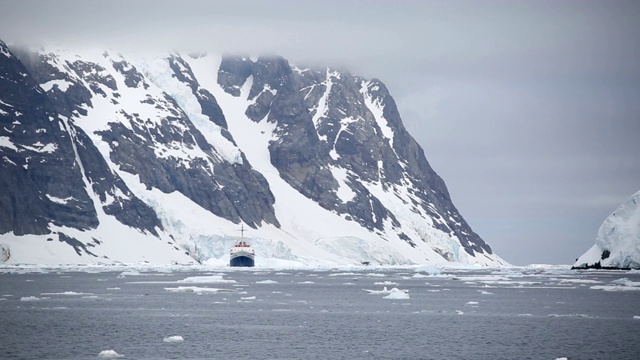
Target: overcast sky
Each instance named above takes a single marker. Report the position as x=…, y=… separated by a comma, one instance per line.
x=529, y=110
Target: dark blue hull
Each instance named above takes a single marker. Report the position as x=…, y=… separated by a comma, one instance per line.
x=241, y=261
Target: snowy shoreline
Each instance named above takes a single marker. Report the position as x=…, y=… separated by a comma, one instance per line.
x=272, y=266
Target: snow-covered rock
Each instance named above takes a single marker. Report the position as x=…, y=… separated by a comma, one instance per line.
x=109, y=157
x=618, y=240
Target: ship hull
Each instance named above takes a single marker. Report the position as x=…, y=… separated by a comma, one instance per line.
x=242, y=261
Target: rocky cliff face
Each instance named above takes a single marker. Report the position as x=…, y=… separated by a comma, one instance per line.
x=618, y=240
x=182, y=149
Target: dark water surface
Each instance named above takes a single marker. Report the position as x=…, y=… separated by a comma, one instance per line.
x=523, y=314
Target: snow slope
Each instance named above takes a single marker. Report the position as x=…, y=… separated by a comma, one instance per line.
x=308, y=233
x=618, y=240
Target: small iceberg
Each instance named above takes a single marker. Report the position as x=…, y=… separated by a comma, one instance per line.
x=197, y=290
x=173, y=339
x=397, y=294
x=109, y=354
x=212, y=279
x=266, y=282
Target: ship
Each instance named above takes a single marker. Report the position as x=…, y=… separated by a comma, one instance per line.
x=242, y=254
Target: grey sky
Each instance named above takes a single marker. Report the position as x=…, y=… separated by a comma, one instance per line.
x=529, y=110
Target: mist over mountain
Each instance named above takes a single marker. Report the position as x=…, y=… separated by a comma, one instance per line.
x=113, y=157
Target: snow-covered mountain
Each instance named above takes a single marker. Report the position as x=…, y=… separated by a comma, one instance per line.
x=618, y=240
x=108, y=157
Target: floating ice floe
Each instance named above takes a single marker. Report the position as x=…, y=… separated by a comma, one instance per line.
x=486, y=278
x=419, y=276
x=68, y=293
x=129, y=273
x=109, y=354
x=345, y=274
x=397, y=294
x=622, y=284
x=626, y=282
x=375, y=275
x=198, y=290
x=173, y=339
x=212, y=279
x=578, y=281
x=385, y=283
x=393, y=293
x=377, y=292
x=614, y=288
x=636, y=317
x=266, y=282
x=429, y=269
x=571, y=315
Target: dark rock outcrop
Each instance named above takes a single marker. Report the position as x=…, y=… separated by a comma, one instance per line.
x=73, y=129
x=41, y=181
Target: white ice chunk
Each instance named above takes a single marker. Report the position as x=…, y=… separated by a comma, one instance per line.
x=129, y=273
x=68, y=293
x=266, y=282
x=614, y=288
x=385, y=283
x=173, y=339
x=196, y=289
x=397, y=294
x=109, y=354
x=212, y=279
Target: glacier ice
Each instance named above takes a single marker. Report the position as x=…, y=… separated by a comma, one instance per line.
x=618, y=240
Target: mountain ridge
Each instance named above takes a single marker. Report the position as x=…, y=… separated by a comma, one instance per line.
x=281, y=149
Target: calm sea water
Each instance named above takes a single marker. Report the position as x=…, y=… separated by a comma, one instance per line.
x=320, y=315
